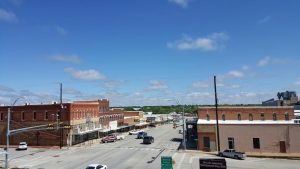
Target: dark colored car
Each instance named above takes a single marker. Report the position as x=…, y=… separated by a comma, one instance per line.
x=109, y=138
x=148, y=140
x=141, y=135
x=152, y=125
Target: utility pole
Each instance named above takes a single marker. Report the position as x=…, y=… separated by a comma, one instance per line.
x=217, y=118
x=61, y=110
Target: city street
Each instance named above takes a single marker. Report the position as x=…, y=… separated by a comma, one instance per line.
x=131, y=154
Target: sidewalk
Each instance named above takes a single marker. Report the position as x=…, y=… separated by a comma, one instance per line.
x=290, y=156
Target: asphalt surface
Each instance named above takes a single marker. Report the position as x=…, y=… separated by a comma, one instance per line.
x=131, y=154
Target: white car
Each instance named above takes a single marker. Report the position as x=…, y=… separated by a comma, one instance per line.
x=22, y=146
x=119, y=136
x=96, y=166
x=135, y=132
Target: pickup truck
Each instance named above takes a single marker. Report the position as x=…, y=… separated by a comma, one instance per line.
x=231, y=153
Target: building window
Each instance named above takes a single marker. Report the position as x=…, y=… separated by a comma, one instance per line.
x=34, y=115
x=239, y=116
x=274, y=116
x=207, y=117
x=23, y=116
x=256, y=143
x=1, y=116
x=230, y=142
x=223, y=117
x=250, y=117
x=286, y=116
x=46, y=115
x=11, y=116
x=262, y=116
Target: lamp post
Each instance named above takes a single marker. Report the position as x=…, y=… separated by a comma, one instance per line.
x=8, y=131
x=183, y=121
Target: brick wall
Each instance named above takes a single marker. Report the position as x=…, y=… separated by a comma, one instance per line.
x=231, y=113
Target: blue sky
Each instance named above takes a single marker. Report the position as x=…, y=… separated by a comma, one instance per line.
x=141, y=52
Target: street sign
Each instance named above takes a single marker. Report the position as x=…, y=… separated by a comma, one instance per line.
x=166, y=162
x=212, y=163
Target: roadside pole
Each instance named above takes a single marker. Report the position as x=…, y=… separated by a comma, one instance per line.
x=7, y=138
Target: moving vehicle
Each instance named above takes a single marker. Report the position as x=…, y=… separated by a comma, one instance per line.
x=141, y=134
x=22, y=146
x=231, y=153
x=148, y=140
x=96, y=166
x=135, y=132
x=109, y=138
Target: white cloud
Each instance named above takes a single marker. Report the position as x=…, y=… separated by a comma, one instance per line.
x=71, y=91
x=264, y=61
x=88, y=75
x=264, y=20
x=200, y=85
x=112, y=84
x=245, y=67
x=60, y=30
x=198, y=94
x=16, y=2
x=7, y=16
x=235, y=86
x=157, y=85
x=248, y=94
x=182, y=3
x=297, y=83
x=66, y=58
x=6, y=89
x=235, y=74
x=211, y=42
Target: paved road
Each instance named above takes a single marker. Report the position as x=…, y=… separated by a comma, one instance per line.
x=131, y=154
x=128, y=153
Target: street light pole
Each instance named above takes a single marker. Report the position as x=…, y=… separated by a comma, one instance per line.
x=8, y=132
x=7, y=138
x=183, y=125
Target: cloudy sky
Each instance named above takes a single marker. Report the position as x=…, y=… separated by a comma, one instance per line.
x=136, y=52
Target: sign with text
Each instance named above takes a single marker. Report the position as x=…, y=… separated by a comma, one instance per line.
x=212, y=163
x=166, y=162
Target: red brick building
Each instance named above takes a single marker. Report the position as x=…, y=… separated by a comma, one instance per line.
x=85, y=118
x=249, y=129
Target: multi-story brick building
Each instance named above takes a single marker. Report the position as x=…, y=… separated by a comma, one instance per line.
x=249, y=129
x=85, y=119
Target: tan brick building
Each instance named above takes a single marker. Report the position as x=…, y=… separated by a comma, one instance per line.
x=249, y=129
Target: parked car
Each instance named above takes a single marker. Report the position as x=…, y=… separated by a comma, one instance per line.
x=141, y=135
x=119, y=136
x=152, y=125
x=109, y=138
x=22, y=146
x=135, y=132
x=231, y=153
x=96, y=166
x=148, y=140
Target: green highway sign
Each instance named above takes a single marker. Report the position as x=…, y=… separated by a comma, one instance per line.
x=166, y=162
